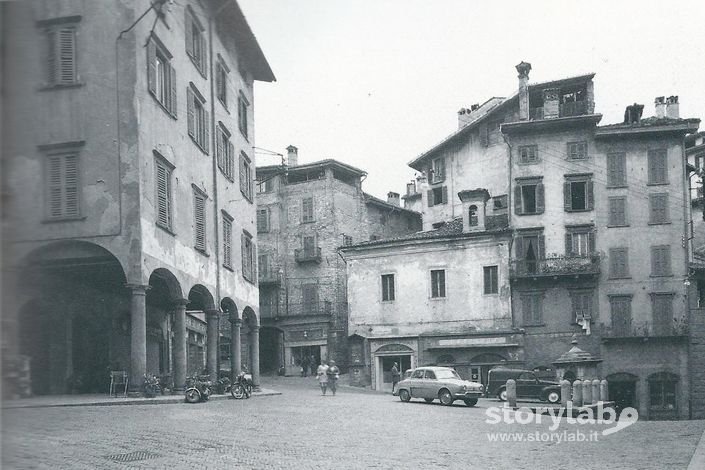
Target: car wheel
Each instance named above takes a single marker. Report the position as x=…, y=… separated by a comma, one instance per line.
x=470, y=401
x=428, y=400
x=553, y=397
x=502, y=395
x=404, y=395
x=445, y=397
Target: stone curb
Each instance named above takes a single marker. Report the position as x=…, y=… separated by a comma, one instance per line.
x=697, y=462
x=170, y=399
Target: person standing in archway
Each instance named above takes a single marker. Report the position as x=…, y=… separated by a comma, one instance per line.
x=395, y=376
x=322, y=373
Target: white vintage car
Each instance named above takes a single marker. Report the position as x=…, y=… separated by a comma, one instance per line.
x=442, y=383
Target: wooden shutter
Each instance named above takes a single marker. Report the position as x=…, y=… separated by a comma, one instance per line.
x=172, y=89
x=163, y=196
x=656, y=261
x=519, y=247
x=517, y=200
x=203, y=57
x=188, y=26
x=243, y=253
x=243, y=182
x=67, y=55
x=54, y=186
x=52, y=57
x=658, y=171
x=444, y=197
x=200, y=221
x=567, y=197
x=568, y=244
x=589, y=195
x=206, y=131
x=542, y=247
x=152, y=67
x=220, y=147
x=429, y=194
x=190, y=104
x=71, y=185
x=540, y=201
x=219, y=82
x=227, y=242
x=230, y=160
x=591, y=242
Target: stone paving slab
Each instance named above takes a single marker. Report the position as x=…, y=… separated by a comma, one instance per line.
x=105, y=400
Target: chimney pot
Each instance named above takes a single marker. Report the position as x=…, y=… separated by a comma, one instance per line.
x=393, y=198
x=672, y=107
x=523, y=68
x=292, y=156
x=660, y=106
x=633, y=112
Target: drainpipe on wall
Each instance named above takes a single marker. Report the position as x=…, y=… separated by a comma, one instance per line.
x=510, y=207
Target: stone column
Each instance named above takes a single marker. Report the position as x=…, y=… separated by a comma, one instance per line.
x=180, y=345
x=235, y=357
x=254, y=345
x=212, y=317
x=138, y=337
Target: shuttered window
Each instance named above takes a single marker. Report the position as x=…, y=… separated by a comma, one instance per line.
x=437, y=196
x=249, y=266
x=225, y=151
x=616, y=170
x=262, y=220
x=221, y=82
x=242, y=110
x=62, y=186
x=621, y=312
x=578, y=194
x=577, y=150
x=662, y=314
x=199, y=221
x=532, y=308
x=658, y=166
x=161, y=75
x=307, y=210
x=529, y=196
x=658, y=208
x=528, y=154
x=227, y=242
x=61, y=55
x=619, y=263
x=581, y=305
x=579, y=241
x=437, y=170
x=661, y=260
x=245, y=177
x=197, y=118
x=617, y=211
x=163, y=186
x=196, y=42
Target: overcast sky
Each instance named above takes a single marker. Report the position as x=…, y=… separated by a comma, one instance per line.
x=374, y=83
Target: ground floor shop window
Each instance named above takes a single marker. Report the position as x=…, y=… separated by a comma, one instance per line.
x=662, y=392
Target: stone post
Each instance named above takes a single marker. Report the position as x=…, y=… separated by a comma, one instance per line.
x=235, y=352
x=578, y=393
x=254, y=344
x=587, y=391
x=180, y=345
x=138, y=337
x=212, y=317
x=512, y=393
x=595, y=391
x=565, y=392
x=604, y=391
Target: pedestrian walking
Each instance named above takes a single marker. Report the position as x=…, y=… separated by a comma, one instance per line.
x=313, y=363
x=322, y=373
x=333, y=375
x=395, y=376
x=304, y=366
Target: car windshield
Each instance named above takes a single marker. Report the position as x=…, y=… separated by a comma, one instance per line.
x=447, y=374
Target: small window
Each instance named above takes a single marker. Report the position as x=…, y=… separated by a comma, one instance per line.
x=225, y=151
x=164, y=197
x=438, y=283
x=161, y=75
x=490, y=279
x=578, y=193
x=62, y=187
x=199, y=221
x=658, y=166
x=347, y=240
x=472, y=216
x=262, y=220
x=528, y=154
x=196, y=42
x=616, y=170
x=617, y=211
x=499, y=202
x=61, y=55
x=248, y=257
x=227, y=241
x=661, y=260
x=307, y=210
x=621, y=312
x=658, y=208
x=388, y=287
x=577, y=150
x=242, y=111
x=245, y=176
x=266, y=185
x=197, y=117
x=619, y=263
x=532, y=308
x=529, y=197
x=437, y=196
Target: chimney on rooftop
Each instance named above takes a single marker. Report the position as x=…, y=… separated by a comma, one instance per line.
x=633, y=113
x=672, y=108
x=393, y=199
x=660, y=105
x=292, y=156
x=523, y=68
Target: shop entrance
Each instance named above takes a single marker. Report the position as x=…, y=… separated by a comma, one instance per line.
x=481, y=365
x=622, y=390
x=385, y=365
x=306, y=357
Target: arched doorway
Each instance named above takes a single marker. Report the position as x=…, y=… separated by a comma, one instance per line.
x=230, y=339
x=71, y=330
x=481, y=364
x=621, y=388
x=384, y=359
x=250, y=343
x=163, y=298
x=202, y=332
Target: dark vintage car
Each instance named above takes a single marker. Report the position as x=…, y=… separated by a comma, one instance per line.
x=442, y=383
x=528, y=385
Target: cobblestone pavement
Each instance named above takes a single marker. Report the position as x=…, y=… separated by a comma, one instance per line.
x=301, y=429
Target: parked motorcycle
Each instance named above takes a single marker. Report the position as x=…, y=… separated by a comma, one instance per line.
x=198, y=388
x=152, y=387
x=242, y=388
x=222, y=386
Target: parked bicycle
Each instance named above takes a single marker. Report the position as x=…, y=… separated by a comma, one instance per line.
x=198, y=388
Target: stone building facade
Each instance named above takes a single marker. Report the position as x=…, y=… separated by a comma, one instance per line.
x=141, y=153
x=305, y=212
